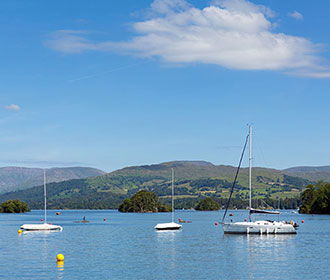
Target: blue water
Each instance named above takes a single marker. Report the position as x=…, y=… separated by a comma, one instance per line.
x=125, y=246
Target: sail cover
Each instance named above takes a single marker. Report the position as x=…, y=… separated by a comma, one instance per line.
x=258, y=211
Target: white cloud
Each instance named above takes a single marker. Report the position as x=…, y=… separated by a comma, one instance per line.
x=235, y=34
x=13, y=107
x=70, y=41
x=296, y=15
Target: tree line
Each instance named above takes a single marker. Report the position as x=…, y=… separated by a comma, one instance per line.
x=316, y=199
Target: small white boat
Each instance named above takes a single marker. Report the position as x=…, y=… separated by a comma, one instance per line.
x=256, y=227
x=172, y=225
x=168, y=226
x=36, y=227
x=44, y=226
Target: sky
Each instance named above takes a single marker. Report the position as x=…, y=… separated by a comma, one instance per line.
x=110, y=84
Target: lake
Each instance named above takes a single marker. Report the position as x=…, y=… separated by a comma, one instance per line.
x=126, y=246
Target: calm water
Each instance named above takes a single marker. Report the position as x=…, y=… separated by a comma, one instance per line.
x=126, y=246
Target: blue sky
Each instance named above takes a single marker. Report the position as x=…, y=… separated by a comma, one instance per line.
x=111, y=84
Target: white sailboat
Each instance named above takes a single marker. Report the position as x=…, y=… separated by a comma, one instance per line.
x=261, y=226
x=44, y=226
x=172, y=225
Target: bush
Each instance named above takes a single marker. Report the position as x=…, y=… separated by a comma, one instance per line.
x=207, y=204
x=143, y=201
x=14, y=206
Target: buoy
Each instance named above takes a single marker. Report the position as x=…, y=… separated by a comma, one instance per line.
x=42, y=220
x=302, y=221
x=60, y=258
x=216, y=224
x=104, y=219
x=245, y=220
x=50, y=223
x=19, y=231
x=231, y=214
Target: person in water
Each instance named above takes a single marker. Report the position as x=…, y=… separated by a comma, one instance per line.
x=84, y=219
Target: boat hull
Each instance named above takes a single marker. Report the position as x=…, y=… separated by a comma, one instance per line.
x=168, y=226
x=258, y=227
x=40, y=227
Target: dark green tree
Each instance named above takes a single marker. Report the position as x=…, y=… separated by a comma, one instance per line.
x=207, y=204
x=316, y=199
x=126, y=206
x=14, y=206
x=143, y=201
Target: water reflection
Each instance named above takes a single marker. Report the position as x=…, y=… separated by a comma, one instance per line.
x=257, y=253
x=167, y=235
x=60, y=269
x=167, y=246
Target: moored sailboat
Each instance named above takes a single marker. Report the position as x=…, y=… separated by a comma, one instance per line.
x=171, y=225
x=256, y=227
x=44, y=226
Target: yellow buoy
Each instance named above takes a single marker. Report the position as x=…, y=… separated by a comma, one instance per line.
x=60, y=258
x=19, y=231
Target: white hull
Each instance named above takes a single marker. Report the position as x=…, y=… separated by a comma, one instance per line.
x=168, y=226
x=40, y=227
x=258, y=227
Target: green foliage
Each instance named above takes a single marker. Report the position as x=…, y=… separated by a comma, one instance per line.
x=143, y=201
x=14, y=206
x=207, y=204
x=316, y=199
x=194, y=181
x=126, y=206
x=295, y=181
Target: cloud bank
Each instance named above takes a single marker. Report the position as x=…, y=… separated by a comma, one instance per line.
x=235, y=34
x=13, y=107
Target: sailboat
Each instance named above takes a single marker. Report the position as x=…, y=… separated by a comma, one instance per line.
x=172, y=225
x=255, y=227
x=44, y=226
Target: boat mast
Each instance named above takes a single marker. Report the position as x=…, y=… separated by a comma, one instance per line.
x=45, y=195
x=172, y=195
x=250, y=166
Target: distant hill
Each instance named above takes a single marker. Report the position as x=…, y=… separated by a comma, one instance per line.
x=193, y=181
x=183, y=170
x=308, y=169
x=313, y=173
x=19, y=178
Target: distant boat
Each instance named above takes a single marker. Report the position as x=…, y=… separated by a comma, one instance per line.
x=257, y=227
x=44, y=226
x=172, y=225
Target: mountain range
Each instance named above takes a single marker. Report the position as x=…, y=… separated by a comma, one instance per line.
x=19, y=178
x=193, y=180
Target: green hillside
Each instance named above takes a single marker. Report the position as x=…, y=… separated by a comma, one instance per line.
x=193, y=181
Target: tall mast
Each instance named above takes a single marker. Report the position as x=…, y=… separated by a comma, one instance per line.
x=45, y=195
x=172, y=195
x=250, y=166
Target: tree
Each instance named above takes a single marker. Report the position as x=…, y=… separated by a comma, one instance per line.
x=14, y=206
x=143, y=201
x=207, y=204
x=316, y=199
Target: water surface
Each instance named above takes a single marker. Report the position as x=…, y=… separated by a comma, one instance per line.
x=126, y=246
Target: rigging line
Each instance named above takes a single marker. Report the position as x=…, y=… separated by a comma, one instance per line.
x=259, y=150
x=235, y=180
